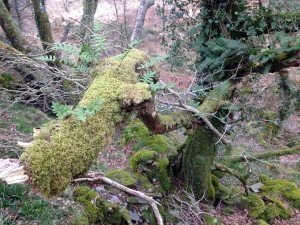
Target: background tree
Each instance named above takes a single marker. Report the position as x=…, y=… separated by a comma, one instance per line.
x=140, y=19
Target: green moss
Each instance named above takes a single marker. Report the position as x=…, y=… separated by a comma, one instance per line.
x=147, y=162
x=256, y=205
x=121, y=177
x=135, y=132
x=210, y=220
x=261, y=222
x=112, y=213
x=197, y=161
x=84, y=195
x=273, y=211
x=228, y=210
x=148, y=215
x=25, y=118
x=144, y=182
x=284, y=188
x=142, y=157
x=72, y=148
x=6, y=80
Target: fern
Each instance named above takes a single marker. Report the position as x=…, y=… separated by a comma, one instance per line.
x=153, y=61
x=94, y=106
x=61, y=110
x=47, y=58
x=132, y=45
x=148, y=77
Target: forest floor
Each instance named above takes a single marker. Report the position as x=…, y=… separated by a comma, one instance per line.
x=13, y=128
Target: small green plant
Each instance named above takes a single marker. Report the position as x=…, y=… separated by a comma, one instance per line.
x=62, y=111
x=149, y=76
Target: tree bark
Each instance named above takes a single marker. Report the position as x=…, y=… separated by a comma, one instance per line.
x=11, y=30
x=87, y=21
x=6, y=2
x=42, y=23
x=140, y=19
x=197, y=162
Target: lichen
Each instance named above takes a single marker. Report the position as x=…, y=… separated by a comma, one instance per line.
x=71, y=149
x=121, y=177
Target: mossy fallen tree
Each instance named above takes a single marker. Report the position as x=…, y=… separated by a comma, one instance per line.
x=66, y=148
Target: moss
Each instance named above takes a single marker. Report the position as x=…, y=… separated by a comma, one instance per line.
x=121, y=177
x=210, y=220
x=228, y=210
x=112, y=213
x=197, y=161
x=162, y=173
x=255, y=205
x=261, y=222
x=148, y=215
x=135, y=132
x=146, y=161
x=273, y=211
x=6, y=80
x=144, y=182
x=142, y=156
x=72, y=148
x=84, y=195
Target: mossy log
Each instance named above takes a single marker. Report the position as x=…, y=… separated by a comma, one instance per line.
x=66, y=148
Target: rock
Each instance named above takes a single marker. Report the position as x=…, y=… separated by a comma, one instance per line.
x=100, y=189
x=255, y=187
x=134, y=216
x=115, y=199
x=137, y=200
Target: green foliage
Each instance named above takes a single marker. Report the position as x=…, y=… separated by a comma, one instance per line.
x=17, y=202
x=121, y=177
x=79, y=57
x=147, y=162
x=68, y=149
x=62, y=111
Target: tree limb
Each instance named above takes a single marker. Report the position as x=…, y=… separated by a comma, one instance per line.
x=262, y=155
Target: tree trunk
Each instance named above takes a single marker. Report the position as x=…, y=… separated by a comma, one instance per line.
x=11, y=30
x=140, y=19
x=6, y=2
x=87, y=21
x=42, y=23
x=198, y=158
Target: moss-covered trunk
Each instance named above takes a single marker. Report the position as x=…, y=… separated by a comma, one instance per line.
x=43, y=24
x=197, y=162
x=11, y=30
x=87, y=21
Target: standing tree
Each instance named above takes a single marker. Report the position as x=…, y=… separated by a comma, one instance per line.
x=11, y=30
x=140, y=19
x=87, y=21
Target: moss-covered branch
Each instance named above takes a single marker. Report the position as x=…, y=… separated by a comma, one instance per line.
x=66, y=148
x=262, y=155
